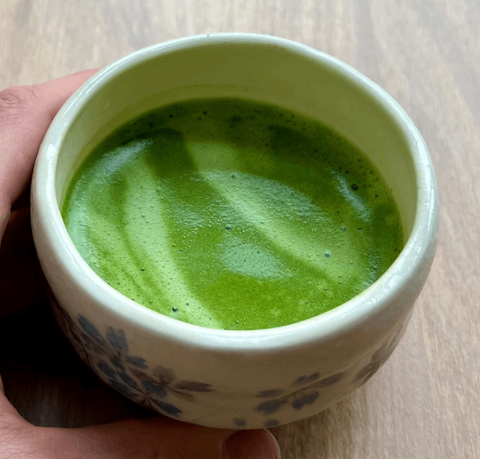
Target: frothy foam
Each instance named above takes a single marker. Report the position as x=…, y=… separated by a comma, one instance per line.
x=232, y=214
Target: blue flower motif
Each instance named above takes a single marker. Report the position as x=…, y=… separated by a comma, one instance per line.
x=169, y=409
x=110, y=357
x=157, y=389
x=271, y=406
x=330, y=380
x=89, y=328
x=307, y=379
x=117, y=340
x=163, y=381
x=106, y=369
x=127, y=379
x=305, y=393
x=118, y=364
x=137, y=362
x=270, y=393
x=239, y=422
x=379, y=357
x=304, y=399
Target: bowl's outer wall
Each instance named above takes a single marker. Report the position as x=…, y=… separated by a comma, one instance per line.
x=235, y=379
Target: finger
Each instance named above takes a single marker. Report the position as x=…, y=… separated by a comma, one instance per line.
x=17, y=436
x=25, y=114
x=10, y=420
x=258, y=444
x=160, y=438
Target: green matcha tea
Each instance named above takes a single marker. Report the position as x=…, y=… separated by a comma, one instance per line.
x=232, y=214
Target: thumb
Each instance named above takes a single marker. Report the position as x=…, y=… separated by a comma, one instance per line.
x=10, y=420
x=25, y=114
x=258, y=444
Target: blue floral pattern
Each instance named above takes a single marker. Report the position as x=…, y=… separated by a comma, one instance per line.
x=108, y=355
x=306, y=391
x=239, y=422
x=271, y=423
x=158, y=388
x=379, y=357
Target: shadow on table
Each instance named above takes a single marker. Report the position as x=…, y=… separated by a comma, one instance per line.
x=47, y=382
x=326, y=435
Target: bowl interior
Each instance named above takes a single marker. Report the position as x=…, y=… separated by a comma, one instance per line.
x=283, y=73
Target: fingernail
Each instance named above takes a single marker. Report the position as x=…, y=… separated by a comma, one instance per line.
x=251, y=444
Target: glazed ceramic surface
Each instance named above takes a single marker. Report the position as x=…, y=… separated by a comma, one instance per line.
x=235, y=379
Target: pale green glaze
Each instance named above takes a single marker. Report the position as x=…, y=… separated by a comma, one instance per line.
x=231, y=214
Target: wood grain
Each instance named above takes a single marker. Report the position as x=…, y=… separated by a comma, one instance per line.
x=424, y=403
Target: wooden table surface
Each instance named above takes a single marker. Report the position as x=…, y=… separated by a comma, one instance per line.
x=424, y=402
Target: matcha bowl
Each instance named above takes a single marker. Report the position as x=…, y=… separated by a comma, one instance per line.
x=225, y=378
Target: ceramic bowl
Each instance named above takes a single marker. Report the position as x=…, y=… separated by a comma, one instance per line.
x=235, y=379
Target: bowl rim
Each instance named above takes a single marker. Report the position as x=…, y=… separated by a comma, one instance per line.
x=350, y=315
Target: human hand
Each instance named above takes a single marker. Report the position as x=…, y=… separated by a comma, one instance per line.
x=25, y=114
